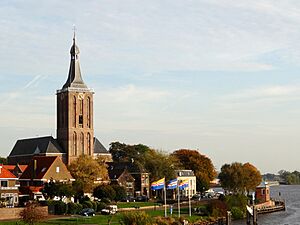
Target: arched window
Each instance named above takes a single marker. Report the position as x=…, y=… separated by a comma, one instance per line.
x=82, y=142
x=74, y=109
x=88, y=111
x=75, y=144
x=89, y=144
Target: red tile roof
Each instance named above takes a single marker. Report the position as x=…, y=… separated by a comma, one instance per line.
x=5, y=173
x=43, y=163
x=9, y=167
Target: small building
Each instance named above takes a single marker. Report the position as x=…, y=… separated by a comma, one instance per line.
x=262, y=193
x=189, y=175
x=122, y=178
x=8, y=189
x=141, y=177
x=41, y=170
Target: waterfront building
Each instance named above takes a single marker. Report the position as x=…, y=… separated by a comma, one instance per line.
x=189, y=175
x=8, y=189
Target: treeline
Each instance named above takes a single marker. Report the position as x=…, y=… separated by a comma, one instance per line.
x=289, y=177
x=283, y=177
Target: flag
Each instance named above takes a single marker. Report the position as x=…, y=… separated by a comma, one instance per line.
x=183, y=184
x=157, y=185
x=172, y=184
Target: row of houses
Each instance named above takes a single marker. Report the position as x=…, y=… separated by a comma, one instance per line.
x=27, y=181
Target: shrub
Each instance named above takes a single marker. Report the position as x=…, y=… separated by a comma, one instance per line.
x=136, y=218
x=87, y=204
x=94, y=205
x=217, y=208
x=60, y=207
x=237, y=213
x=100, y=206
x=31, y=214
x=74, y=208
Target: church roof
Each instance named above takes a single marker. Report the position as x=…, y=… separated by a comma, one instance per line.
x=74, y=78
x=35, y=146
x=99, y=148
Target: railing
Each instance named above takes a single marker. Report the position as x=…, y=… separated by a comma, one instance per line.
x=8, y=188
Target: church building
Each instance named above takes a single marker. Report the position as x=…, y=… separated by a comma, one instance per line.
x=75, y=127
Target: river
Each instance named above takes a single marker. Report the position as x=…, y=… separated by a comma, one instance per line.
x=291, y=195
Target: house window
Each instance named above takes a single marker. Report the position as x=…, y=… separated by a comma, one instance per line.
x=57, y=169
x=3, y=183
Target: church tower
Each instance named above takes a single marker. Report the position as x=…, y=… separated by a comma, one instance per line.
x=75, y=132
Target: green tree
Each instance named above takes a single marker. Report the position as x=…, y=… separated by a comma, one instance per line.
x=104, y=191
x=87, y=170
x=124, y=153
x=160, y=164
x=120, y=192
x=201, y=165
x=3, y=160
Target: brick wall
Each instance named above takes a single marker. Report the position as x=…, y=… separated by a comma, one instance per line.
x=14, y=213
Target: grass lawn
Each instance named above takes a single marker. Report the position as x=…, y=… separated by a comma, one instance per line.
x=135, y=204
x=104, y=219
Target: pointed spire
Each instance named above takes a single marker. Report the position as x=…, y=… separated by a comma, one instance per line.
x=74, y=78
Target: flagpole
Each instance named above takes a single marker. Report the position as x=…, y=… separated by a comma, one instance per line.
x=190, y=210
x=165, y=195
x=178, y=197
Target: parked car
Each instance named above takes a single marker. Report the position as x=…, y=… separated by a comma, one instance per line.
x=141, y=198
x=110, y=210
x=87, y=212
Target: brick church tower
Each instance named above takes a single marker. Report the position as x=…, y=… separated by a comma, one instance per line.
x=75, y=132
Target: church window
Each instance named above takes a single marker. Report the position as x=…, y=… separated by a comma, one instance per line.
x=74, y=108
x=88, y=105
x=82, y=142
x=80, y=120
x=74, y=144
x=89, y=143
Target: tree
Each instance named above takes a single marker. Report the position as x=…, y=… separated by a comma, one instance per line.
x=61, y=190
x=239, y=178
x=104, y=191
x=31, y=214
x=120, y=192
x=201, y=165
x=87, y=170
x=252, y=177
x=160, y=164
x=3, y=160
x=124, y=153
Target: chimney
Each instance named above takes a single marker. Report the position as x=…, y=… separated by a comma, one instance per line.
x=34, y=168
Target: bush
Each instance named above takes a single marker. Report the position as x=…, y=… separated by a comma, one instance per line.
x=87, y=204
x=237, y=213
x=60, y=208
x=100, y=206
x=217, y=208
x=31, y=214
x=94, y=205
x=136, y=218
x=74, y=208
x=104, y=191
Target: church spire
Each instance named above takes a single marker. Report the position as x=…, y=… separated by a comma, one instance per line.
x=74, y=78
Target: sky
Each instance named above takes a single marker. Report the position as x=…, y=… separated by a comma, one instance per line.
x=218, y=76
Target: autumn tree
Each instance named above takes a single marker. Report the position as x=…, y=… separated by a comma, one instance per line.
x=87, y=170
x=239, y=178
x=201, y=165
x=32, y=214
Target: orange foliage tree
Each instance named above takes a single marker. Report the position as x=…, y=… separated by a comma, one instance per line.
x=201, y=165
